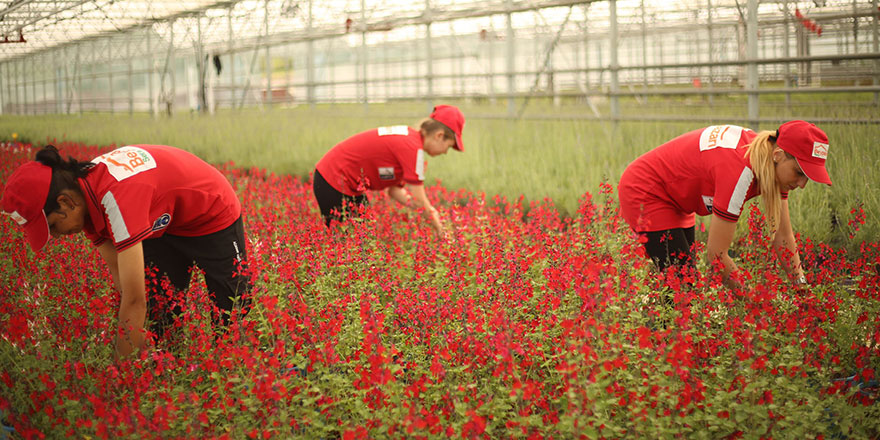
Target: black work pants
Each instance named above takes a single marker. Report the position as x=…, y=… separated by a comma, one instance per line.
x=334, y=204
x=222, y=257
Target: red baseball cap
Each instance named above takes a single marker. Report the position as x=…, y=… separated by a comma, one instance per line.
x=809, y=145
x=23, y=199
x=451, y=117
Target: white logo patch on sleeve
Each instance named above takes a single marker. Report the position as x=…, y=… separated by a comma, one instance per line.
x=125, y=162
x=820, y=150
x=395, y=130
x=723, y=136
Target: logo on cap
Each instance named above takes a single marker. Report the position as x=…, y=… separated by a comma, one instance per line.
x=17, y=217
x=820, y=150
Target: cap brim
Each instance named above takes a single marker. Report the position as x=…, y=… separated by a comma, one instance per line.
x=458, y=145
x=815, y=172
x=37, y=233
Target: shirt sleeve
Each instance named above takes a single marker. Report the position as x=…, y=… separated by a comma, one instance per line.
x=413, y=163
x=731, y=189
x=127, y=209
x=93, y=238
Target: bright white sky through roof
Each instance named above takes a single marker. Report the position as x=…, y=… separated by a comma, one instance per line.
x=82, y=19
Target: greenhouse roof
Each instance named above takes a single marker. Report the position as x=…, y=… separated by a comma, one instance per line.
x=32, y=26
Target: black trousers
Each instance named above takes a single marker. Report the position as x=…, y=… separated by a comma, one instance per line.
x=670, y=247
x=221, y=255
x=334, y=204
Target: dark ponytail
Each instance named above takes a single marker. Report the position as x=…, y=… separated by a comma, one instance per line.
x=64, y=174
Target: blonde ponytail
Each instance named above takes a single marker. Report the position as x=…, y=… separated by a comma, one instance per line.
x=760, y=155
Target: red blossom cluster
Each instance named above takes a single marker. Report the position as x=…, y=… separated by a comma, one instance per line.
x=523, y=324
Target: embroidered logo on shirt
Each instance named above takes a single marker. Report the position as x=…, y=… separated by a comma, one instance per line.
x=17, y=217
x=162, y=222
x=125, y=162
x=397, y=130
x=386, y=173
x=820, y=150
x=708, y=201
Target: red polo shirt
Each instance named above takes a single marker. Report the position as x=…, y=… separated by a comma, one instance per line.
x=144, y=191
x=375, y=160
x=703, y=172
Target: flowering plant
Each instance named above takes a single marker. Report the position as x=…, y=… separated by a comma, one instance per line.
x=523, y=324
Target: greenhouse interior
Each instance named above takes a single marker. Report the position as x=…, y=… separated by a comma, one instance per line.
x=596, y=59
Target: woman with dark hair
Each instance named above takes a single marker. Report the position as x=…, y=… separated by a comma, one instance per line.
x=386, y=157
x=714, y=171
x=142, y=206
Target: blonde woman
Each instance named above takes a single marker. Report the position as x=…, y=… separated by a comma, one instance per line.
x=714, y=171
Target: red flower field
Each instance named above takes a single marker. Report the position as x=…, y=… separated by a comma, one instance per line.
x=522, y=325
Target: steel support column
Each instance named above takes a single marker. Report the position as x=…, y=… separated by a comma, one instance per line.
x=711, y=49
x=231, y=67
x=151, y=64
x=2, y=92
x=363, y=58
x=109, y=76
x=786, y=50
x=586, y=43
x=875, y=29
x=645, y=46
x=614, y=66
x=33, y=77
x=511, y=64
x=169, y=63
x=130, y=70
x=201, y=68
x=751, y=57
x=429, y=57
x=268, y=58
x=46, y=105
x=310, y=59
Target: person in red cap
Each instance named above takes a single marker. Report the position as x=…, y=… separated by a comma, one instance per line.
x=714, y=170
x=386, y=158
x=142, y=206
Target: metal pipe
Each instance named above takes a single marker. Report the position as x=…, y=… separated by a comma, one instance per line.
x=130, y=69
x=34, y=86
x=77, y=72
x=310, y=61
x=151, y=64
x=614, y=66
x=45, y=93
x=711, y=49
x=363, y=58
x=2, y=92
x=876, y=48
x=110, y=79
x=268, y=58
x=511, y=54
x=751, y=56
x=170, y=100
x=429, y=57
x=231, y=66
